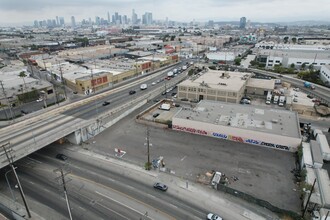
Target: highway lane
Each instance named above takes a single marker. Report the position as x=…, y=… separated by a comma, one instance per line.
x=98, y=189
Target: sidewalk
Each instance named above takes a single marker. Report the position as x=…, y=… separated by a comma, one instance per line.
x=198, y=195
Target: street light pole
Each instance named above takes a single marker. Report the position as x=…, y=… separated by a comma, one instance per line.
x=11, y=191
x=10, y=160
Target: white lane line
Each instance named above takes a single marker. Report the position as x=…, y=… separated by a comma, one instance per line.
x=119, y=203
x=111, y=210
x=173, y=206
x=151, y=196
x=183, y=158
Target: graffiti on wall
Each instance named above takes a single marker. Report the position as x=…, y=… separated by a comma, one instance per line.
x=190, y=130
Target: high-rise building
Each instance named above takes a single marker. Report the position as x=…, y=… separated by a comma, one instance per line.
x=36, y=24
x=57, y=21
x=62, y=23
x=147, y=18
x=108, y=18
x=242, y=22
x=73, y=21
x=134, y=17
x=124, y=21
x=97, y=20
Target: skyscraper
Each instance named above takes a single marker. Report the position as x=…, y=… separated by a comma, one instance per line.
x=62, y=21
x=108, y=18
x=147, y=18
x=242, y=22
x=36, y=24
x=134, y=17
x=73, y=21
x=57, y=21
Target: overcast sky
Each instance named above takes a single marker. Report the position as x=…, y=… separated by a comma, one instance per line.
x=26, y=11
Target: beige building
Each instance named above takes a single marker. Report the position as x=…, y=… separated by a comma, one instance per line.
x=215, y=85
x=273, y=128
x=259, y=86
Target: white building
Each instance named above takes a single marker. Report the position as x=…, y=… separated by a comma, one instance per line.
x=325, y=74
x=274, y=128
x=298, y=58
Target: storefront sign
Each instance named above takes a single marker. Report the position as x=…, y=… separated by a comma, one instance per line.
x=190, y=130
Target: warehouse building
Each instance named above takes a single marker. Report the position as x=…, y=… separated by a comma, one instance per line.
x=223, y=86
x=274, y=128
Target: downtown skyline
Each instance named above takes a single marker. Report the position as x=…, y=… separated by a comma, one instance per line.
x=14, y=11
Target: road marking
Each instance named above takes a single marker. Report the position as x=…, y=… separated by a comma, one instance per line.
x=173, y=206
x=119, y=203
x=103, y=206
x=183, y=158
x=151, y=196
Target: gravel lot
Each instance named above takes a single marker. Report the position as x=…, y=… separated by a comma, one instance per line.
x=262, y=172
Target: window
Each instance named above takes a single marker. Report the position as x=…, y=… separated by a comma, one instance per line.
x=270, y=61
x=270, y=64
x=298, y=62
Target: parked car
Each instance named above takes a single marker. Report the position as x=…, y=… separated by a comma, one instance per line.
x=154, y=83
x=39, y=100
x=160, y=186
x=310, y=96
x=106, y=103
x=184, y=99
x=61, y=157
x=194, y=101
x=212, y=216
x=245, y=101
x=155, y=115
x=132, y=92
x=24, y=112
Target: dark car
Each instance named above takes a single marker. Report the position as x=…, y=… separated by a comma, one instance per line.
x=194, y=101
x=173, y=93
x=160, y=186
x=24, y=112
x=184, y=99
x=106, y=103
x=155, y=115
x=132, y=92
x=61, y=157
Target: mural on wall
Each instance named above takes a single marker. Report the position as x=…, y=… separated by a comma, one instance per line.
x=230, y=137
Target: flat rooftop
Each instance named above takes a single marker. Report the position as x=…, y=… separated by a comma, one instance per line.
x=307, y=54
x=261, y=83
x=275, y=121
x=219, y=80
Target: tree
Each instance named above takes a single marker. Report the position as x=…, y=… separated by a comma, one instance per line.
x=22, y=75
x=294, y=40
x=292, y=65
x=172, y=38
x=238, y=61
x=311, y=67
x=286, y=39
x=303, y=66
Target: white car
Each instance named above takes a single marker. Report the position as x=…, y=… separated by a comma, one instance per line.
x=39, y=100
x=154, y=83
x=212, y=216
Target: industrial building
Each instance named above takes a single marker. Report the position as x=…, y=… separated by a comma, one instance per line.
x=226, y=86
x=325, y=74
x=16, y=89
x=274, y=128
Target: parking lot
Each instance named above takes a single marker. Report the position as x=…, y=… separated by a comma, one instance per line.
x=261, y=172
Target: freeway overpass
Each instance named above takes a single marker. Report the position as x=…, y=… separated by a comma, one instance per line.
x=81, y=120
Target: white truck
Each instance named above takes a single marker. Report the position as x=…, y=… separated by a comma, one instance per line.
x=143, y=86
x=324, y=145
x=281, y=100
x=275, y=99
x=170, y=74
x=165, y=107
x=269, y=98
x=175, y=71
x=184, y=67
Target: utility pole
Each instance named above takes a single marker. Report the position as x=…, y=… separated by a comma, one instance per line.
x=62, y=80
x=61, y=177
x=148, y=149
x=5, y=94
x=309, y=197
x=11, y=161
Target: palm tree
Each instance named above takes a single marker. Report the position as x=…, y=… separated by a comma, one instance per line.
x=22, y=75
